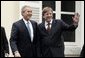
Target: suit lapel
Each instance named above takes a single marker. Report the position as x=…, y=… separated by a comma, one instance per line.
x=43, y=27
x=53, y=27
x=24, y=27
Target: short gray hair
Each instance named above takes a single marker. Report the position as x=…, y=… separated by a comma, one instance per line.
x=22, y=9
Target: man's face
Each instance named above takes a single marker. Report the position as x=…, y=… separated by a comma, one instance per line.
x=48, y=15
x=27, y=13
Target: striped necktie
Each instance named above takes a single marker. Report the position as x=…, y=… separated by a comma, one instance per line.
x=48, y=27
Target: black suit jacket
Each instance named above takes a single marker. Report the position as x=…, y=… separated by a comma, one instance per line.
x=4, y=43
x=52, y=44
x=21, y=41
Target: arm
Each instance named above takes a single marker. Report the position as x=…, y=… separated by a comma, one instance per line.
x=39, y=43
x=5, y=41
x=13, y=40
x=73, y=26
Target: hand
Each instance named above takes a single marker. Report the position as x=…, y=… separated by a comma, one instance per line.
x=6, y=55
x=17, y=54
x=76, y=18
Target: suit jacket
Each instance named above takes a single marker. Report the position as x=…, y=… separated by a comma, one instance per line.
x=20, y=39
x=52, y=43
x=4, y=43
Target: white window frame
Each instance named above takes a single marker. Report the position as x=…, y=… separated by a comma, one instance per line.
x=73, y=48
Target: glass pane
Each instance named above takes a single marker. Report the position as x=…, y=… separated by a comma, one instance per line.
x=53, y=15
x=68, y=6
x=69, y=36
x=48, y=3
x=67, y=18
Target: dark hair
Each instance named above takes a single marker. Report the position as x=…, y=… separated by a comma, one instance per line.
x=46, y=9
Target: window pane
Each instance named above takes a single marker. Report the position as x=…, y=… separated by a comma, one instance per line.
x=69, y=36
x=49, y=3
x=68, y=6
x=53, y=15
x=67, y=18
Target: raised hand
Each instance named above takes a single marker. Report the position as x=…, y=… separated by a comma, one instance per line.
x=76, y=18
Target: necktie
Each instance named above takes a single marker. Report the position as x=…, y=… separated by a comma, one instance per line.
x=48, y=28
x=28, y=27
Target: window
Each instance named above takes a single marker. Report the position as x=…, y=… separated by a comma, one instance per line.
x=66, y=8
x=69, y=36
x=49, y=4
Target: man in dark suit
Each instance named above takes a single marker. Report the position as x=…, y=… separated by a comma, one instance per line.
x=4, y=43
x=50, y=30
x=23, y=39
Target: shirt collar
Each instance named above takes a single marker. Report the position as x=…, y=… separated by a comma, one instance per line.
x=26, y=21
x=50, y=22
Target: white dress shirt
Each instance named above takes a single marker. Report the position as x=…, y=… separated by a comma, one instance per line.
x=31, y=28
x=46, y=24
